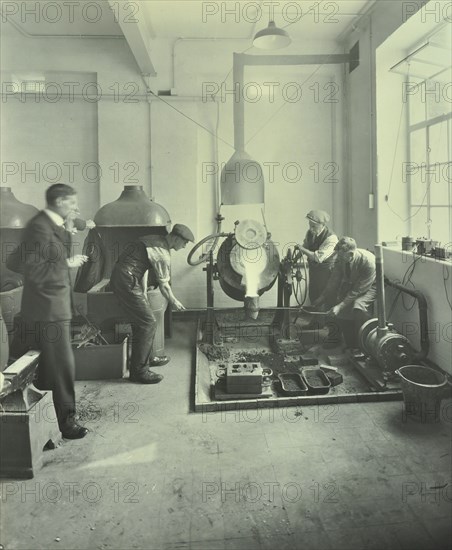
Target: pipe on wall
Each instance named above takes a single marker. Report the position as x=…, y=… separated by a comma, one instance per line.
x=423, y=319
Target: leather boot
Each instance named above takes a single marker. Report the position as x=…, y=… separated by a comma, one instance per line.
x=145, y=376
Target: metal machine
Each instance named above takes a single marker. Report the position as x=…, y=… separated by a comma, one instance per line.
x=247, y=265
x=385, y=348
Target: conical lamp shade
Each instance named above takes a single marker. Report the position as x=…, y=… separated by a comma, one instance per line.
x=242, y=180
x=271, y=38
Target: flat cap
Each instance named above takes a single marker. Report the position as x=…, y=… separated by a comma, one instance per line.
x=183, y=231
x=318, y=216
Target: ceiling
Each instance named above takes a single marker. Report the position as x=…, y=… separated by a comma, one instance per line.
x=241, y=20
x=171, y=19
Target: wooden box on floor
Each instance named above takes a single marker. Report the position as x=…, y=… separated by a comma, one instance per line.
x=27, y=420
x=104, y=362
x=23, y=436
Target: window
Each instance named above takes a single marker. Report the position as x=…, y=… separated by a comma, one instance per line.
x=430, y=139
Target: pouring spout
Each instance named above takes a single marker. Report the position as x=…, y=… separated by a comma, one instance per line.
x=252, y=307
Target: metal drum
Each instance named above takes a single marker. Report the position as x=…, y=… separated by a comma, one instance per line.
x=233, y=259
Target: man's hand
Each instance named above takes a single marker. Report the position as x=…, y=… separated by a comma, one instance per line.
x=178, y=306
x=77, y=261
x=334, y=311
x=90, y=224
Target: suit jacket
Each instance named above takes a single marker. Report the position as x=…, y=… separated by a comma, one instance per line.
x=353, y=284
x=47, y=286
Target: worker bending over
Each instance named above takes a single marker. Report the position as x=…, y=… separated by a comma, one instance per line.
x=349, y=294
x=146, y=263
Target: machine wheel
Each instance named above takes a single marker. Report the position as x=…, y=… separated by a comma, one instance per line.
x=364, y=332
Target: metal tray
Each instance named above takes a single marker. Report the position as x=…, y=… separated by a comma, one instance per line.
x=289, y=381
x=324, y=383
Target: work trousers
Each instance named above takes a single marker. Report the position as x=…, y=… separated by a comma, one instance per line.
x=56, y=368
x=319, y=275
x=134, y=302
x=349, y=328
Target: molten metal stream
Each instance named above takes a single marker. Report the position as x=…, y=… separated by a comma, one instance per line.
x=253, y=270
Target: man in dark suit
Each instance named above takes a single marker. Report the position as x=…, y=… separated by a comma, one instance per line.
x=46, y=302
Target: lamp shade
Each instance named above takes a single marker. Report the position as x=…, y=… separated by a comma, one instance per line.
x=271, y=38
x=242, y=180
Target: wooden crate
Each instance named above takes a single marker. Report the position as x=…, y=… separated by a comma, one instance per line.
x=108, y=361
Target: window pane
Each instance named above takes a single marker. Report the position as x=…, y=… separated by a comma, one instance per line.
x=418, y=183
x=436, y=98
x=415, y=96
x=418, y=149
x=419, y=227
x=438, y=143
x=440, y=224
x=439, y=187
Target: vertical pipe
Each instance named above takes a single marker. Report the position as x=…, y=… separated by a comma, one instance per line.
x=239, y=104
x=380, y=288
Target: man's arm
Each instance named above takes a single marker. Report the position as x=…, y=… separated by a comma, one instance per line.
x=160, y=261
x=167, y=292
x=326, y=249
x=361, y=286
x=44, y=257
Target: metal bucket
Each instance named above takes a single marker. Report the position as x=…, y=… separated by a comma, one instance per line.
x=423, y=388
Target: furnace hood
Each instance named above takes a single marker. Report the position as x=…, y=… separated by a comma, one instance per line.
x=132, y=209
x=13, y=213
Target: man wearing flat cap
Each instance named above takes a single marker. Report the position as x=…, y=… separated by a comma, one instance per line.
x=144, y=263
x=318, y=246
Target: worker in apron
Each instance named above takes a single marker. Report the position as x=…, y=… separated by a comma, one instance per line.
x=318, y=246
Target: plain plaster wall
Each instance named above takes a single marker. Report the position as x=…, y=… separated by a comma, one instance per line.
x=379, y=23
x=106, y=130
x=298, y=142
x=432, y=278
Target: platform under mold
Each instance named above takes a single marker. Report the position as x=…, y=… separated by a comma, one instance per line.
x=355, y=387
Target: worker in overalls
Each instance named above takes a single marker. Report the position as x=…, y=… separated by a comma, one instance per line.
x=146, y=263
x=350, y=293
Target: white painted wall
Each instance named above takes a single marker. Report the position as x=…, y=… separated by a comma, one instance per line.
x=363, y=113
x=112, y=129
x=432, y=278
x=294, y=135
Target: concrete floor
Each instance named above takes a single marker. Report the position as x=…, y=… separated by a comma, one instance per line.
x=152, y=475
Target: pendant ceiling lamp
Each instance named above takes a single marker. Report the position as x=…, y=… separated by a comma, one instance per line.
x=271, y=38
